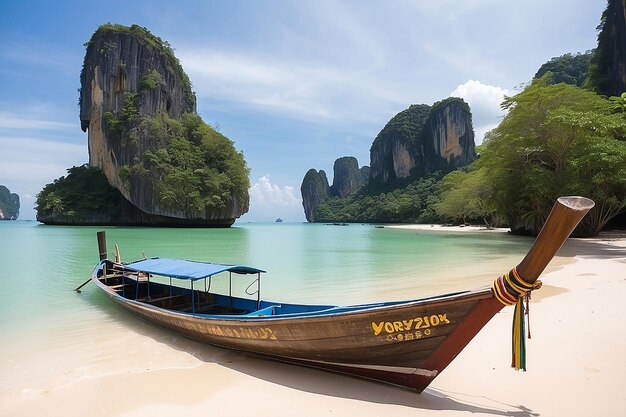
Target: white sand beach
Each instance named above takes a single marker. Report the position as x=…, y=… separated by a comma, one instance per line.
x=575, y=366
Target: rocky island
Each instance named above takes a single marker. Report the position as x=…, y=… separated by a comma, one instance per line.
x=347, y=178
x=420, y=142
x=9, y=204
x=160, y=163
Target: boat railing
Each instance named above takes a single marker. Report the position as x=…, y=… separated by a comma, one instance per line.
x=249, y=291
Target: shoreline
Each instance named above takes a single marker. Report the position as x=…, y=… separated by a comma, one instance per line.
x=433, y=227
x=575, y=365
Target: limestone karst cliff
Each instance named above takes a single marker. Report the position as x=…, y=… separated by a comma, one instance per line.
x=138, y=108
x=314, y=190
x=347, y=178
x=616, y=28
x=607, y=71
x=417, y=142
x=9, y=204
x=423, y=139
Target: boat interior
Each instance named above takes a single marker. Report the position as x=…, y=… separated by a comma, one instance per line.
x=144, y=288
x=197, y=298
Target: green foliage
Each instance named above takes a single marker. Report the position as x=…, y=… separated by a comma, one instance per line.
x=150, y=81
x=83, y=192
x=450, y=100
x=466, y=196
x=415, y=203
x=568, y=69
x=198, y=169
x=620, y=102
x=555, y=140
x=151, y=41
x=117, y=125
x=407, y=124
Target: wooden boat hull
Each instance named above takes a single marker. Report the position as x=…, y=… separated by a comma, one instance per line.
x=403, y=343
x=389, y=343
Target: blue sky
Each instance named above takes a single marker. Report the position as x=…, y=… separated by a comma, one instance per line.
x=296, y=84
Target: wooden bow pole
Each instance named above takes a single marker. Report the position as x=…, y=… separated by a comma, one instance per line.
x=566, y=213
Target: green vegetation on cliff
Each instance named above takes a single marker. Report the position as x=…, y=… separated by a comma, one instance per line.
x=569, y=68
x=194, y=167
x=199, y=169
x=151, y=143
x=408, y=123
x=155, y=42
x=84, y=192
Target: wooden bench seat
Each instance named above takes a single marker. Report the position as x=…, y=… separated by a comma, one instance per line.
x=164, y=298
x=116, y=287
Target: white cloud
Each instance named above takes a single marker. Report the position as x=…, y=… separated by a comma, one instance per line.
x=29, y=163
x=264, y=193
x=305, y=89
x=484, y=100
x=485, y=95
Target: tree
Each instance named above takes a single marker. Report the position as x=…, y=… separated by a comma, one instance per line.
x=467, y=195
x=82, y=193
x=568, y=68
x=556, y=140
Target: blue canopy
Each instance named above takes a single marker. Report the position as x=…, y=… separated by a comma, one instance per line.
x=179, y=268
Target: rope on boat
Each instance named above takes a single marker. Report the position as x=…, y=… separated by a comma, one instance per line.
x=511, y=289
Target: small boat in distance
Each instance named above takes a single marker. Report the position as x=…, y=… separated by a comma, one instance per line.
x=278, y=220
x=405, y=343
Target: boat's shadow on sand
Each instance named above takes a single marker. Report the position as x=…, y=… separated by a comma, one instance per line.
x=335, y=385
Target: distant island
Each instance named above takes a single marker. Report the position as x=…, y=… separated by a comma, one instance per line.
x=152, y=159
x=9, y=204
x=564, y=134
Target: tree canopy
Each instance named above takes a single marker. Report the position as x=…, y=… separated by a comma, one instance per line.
x=414, y=203
x=83, y=192
x=569, y=68
x=555, y=140
x=197, y=170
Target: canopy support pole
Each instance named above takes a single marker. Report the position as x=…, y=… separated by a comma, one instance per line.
x=258, y=291
x=137, y=286
x=193, y=299
x=230, y=288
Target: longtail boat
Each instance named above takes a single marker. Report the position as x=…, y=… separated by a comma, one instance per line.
x=405, y=343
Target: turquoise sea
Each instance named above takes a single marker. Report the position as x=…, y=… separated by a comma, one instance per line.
x=42, y=319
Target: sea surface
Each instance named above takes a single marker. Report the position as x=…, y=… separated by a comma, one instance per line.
x=48, y=329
